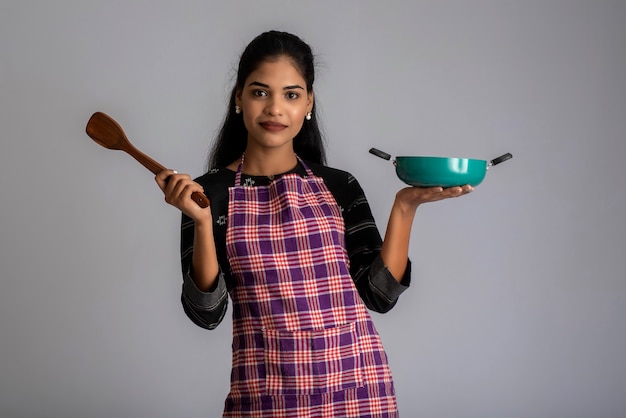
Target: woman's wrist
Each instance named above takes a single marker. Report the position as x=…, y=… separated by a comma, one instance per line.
x=204, y=223
x=404, y=208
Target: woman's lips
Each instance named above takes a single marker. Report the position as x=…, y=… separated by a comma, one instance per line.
x=272, y=126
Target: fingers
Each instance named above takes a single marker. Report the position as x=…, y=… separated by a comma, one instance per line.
x=177, y=188
x=162, y=178
x=418, y=195
x=449, y=192
x=456, y=191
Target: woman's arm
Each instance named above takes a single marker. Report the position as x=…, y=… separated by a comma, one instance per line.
x=204, y=265
x=205, y=308
x=377, y=287
x=395, y=249
x=204, y=295
x=178, y=189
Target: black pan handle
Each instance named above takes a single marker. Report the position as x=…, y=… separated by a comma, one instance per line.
x=501, y=159
x=380, y=154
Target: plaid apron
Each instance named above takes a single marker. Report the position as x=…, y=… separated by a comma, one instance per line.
x=304, y=344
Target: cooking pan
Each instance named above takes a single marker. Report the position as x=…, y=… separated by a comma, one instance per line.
x=423, y=171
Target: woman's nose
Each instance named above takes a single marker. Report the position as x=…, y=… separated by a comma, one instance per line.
x=273, y=107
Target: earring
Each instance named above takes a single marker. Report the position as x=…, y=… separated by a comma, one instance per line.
x=308, y=116
x=237, y=110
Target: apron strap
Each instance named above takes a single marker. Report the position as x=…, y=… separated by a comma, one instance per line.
x=306, y=167
x=239, y=170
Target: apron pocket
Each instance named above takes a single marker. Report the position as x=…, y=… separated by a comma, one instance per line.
x=312, y=362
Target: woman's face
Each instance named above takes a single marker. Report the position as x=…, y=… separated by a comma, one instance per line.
x=274, y=102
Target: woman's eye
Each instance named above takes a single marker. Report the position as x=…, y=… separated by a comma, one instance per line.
x=292, y=95
x=259, y=93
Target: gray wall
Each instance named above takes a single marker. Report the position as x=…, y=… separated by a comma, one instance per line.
x=518, y=299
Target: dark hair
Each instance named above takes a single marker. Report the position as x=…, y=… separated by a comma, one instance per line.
x=232, y=138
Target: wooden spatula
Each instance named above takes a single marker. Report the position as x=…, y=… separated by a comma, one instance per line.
x=108, y=133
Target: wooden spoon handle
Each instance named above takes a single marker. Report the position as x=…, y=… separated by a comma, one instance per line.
x=200, y=199
x=105, y=131
x=156, y=168
x=144, y=160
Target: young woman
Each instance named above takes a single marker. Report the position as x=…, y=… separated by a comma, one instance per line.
x=294, y=244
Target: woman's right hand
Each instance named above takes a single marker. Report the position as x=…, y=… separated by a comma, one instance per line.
x=177, y=189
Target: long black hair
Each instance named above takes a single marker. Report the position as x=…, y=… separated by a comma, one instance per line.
x=232, y=138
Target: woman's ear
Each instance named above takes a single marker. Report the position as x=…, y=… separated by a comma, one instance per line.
x=310, y=101
x=238, y=97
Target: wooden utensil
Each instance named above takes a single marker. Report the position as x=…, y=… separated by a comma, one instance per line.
x=108, y=133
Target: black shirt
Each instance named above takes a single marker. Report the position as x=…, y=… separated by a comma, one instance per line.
x=377, y=287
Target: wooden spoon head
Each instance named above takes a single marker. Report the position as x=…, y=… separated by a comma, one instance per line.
x=107, y=132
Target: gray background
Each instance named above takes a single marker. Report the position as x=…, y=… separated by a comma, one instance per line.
x=518, y=299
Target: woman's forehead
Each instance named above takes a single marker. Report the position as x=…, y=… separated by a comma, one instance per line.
x=277, y=73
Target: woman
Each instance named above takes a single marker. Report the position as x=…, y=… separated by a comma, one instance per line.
x=294, y=244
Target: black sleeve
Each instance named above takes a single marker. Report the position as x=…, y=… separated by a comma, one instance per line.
x=376, y=285
x=205, y=309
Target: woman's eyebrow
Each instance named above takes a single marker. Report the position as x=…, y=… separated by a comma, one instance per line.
x=265, y=86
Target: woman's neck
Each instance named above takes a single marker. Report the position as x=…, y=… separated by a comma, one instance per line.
x=262, y=163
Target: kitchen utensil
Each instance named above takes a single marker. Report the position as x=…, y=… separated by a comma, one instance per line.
x=108, y=133
x=424, y=171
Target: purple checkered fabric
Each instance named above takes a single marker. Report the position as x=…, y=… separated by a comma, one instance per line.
x=304, y=344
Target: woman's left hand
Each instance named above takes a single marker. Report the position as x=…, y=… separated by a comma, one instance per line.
x=411, y=197
x=395, y=248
